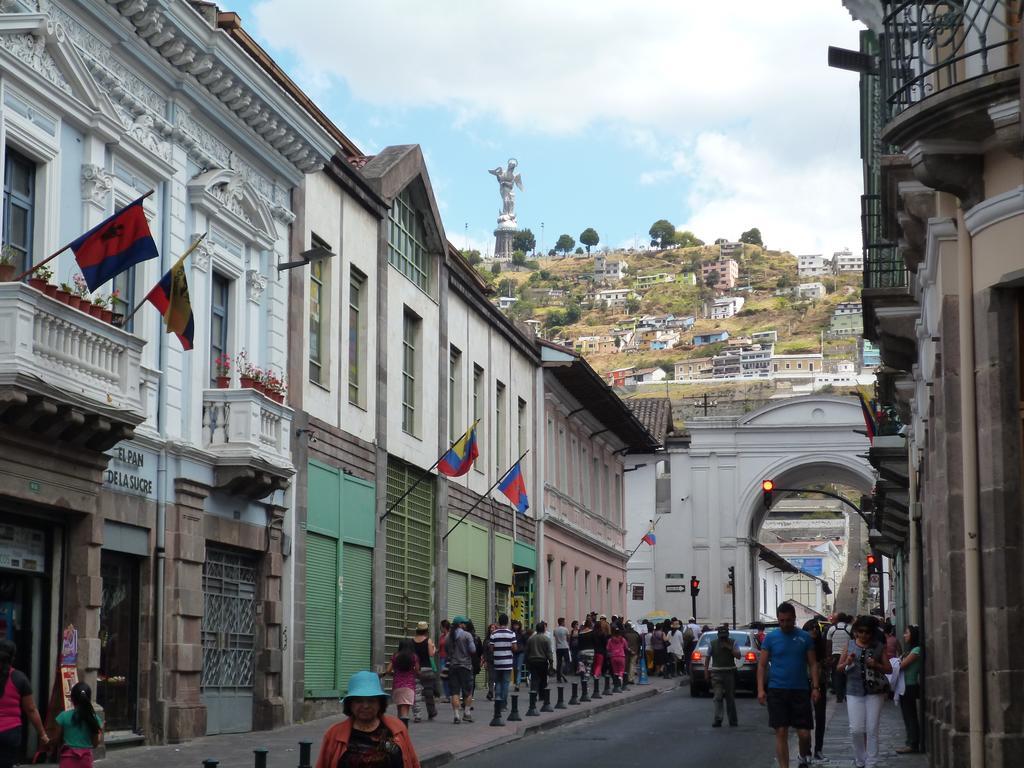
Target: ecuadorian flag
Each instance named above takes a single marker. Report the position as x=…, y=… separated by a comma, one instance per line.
x=170, y=297
x=514, y=488
x=460, y=457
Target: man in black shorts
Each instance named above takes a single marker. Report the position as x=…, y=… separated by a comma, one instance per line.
x=786, y=656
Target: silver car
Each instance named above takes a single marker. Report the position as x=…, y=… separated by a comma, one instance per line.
x=746, y=664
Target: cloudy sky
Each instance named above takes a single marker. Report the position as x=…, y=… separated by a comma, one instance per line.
x=716, y=116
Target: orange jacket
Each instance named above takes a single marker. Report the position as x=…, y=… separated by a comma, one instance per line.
x=337, y=737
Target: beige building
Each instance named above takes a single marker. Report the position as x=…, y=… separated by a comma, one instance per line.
x=943, y=213
x=727, y=271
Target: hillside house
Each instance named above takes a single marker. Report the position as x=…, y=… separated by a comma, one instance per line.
x=683, y=322
x=687, y=278
x=812, y=265
x=703, y=339
x=618, y=377
x=646, y=281
x=746, y=361
x=652, y=321
x=728, y=250
x=595, y=345
x=727, y=271
x=810, y=291
x=870, y=357
x=796, y=366
x=847, y=261
x=726, y=307
x=764, y=337
x=504, y=302
x=847, y=320
x=647, y=376
x=614, y=298
x=693, y=368
x=608, y=269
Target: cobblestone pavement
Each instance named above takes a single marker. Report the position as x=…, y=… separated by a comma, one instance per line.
x=892, y=735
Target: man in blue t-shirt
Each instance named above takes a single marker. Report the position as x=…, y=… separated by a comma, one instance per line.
x=786, y=655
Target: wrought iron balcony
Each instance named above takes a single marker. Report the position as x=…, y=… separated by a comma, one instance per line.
x=930, y=46
x=65, y=374
x=250, y=435
x=883, y=265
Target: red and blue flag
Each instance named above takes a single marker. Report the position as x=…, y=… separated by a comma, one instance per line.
x=514, y=488
x=117, y=244
x=170, y=297
x=649, y=538
x=460, y=457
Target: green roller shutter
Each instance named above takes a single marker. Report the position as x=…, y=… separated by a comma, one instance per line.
x=458, y=595
x=478, y=614
x=321, y=614
x=410, y=554
x=356, y=612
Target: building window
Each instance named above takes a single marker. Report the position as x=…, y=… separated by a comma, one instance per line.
x=454, y=393
x=124, y=287
x=19, y=208
x=478, y=401
x=500, y=408
x=521, y=428
x=356, y=334
x=407, y=241
x=410, y=367
x=220, y=293
x=317, y=297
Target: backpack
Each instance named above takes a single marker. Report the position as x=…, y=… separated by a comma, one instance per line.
x=688, y=634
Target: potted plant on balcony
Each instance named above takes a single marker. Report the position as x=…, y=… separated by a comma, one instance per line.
x=274, y=387
x=64, y=293
x=79, y=294
x=248, y=374
x=117, y=305
x=40, y=278
x=8, y=266
x=99, y=309
x=222, y=366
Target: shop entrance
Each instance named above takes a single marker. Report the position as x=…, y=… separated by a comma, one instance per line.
x=117, y=680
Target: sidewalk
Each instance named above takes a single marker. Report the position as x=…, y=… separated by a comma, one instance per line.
x=437, y=743
x=892, y=735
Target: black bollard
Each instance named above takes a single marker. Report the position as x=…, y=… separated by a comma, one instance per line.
x=561, y=698
x=513, y=715
x=532, y=711
x=259, y=756
x=618, y=686
x=573, y=700
x=546, y=698
x=607, y=686
x=496, y=720
x=585, y=686
x=304, y=754
x=597, y=689
x=210, y=763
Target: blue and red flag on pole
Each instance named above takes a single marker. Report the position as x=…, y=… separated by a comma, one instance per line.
x=170, y=297
x=460, y=457
x=514, y=488
x=649, y=537
x=117, y=244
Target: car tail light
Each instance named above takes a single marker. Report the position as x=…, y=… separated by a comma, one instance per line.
x=695, y=656
x=751, y=656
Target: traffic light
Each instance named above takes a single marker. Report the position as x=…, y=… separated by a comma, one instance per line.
x=873, y=565
x=732, y=575
x=767, y=486
x=694, y=586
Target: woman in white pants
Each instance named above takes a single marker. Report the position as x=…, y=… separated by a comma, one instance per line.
x=866, y=665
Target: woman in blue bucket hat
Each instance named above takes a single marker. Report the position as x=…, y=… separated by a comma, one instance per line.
x=367, y=737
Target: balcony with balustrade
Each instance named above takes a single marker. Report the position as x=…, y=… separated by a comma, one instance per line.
x=249, y=436
x=67, y=379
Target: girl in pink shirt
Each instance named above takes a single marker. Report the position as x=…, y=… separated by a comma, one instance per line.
x=405, y=670
x=616, y=650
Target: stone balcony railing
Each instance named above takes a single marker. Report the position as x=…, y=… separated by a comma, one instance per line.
x=50, y=350
x=249, y=434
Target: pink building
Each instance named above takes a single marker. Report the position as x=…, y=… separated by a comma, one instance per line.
x=728, y=272
x=588, y=433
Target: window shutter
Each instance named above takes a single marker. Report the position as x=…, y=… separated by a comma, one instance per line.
x=321, y=614
x=356, y=612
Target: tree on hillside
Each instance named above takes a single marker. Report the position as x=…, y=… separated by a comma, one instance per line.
x=632, y=306
x=589, y=238
x=472, y=256
x=711, y=281
x=578, y=251
x=496, y=268
x=662, y=233
x=518, y=258
x=752, y=237
x=524, y=241
x=565, y=243
x=686, y=239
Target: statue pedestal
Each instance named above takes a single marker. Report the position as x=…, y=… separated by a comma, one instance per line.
x=503, y=237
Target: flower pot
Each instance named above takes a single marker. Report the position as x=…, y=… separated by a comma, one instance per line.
x=223, y=382
x=247, y=383
x=62, y=296
x=51, y=290
x=105, y=315
x=96, y=310
x=7, y=272
x=38, y=283
x=74, y=301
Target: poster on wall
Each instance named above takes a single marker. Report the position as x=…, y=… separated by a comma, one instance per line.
x=22, y=549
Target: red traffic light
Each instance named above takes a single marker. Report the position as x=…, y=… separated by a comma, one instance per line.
x=767, y=485
x=871, y=560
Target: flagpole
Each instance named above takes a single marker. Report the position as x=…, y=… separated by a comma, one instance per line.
x=654, y=524
x=63, y=248
x=426, y=473
x=487, y=495
x=181, y=259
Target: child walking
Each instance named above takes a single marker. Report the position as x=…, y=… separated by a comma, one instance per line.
x=404, y=668
x=616, y=650
x=79, y=729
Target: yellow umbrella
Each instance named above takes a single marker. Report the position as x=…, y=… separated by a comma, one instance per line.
x=656, y=616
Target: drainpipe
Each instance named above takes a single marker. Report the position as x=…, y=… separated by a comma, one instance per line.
x=969, y=457
x=916, y=547
x=540, y=462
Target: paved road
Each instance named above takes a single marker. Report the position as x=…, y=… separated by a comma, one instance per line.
x=664, y=728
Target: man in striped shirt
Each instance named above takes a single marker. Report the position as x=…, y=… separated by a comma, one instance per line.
x=503, y=648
